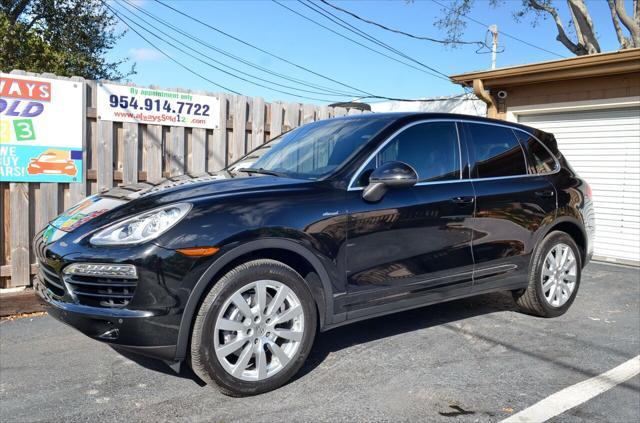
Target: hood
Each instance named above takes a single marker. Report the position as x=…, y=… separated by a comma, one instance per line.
x=136, y=198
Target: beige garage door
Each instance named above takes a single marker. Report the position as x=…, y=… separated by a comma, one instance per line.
x=603, y=146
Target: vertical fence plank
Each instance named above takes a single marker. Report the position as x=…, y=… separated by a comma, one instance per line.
x=276, y=119
x=19, y=232
x=217, y=158
x=47, y=205
x=339, y=111
x=5, y=229
x=198, y=156
x=291, y=116
x=238, y=148
x=257, y=123
x=308, y=113
x=153, y=152
x=130, y=153
x=78, y=190
x=92, y=136
x=175, y=151
x=323, y=112
x=104, y=155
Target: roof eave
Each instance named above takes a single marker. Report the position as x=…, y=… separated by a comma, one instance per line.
x=619, y=62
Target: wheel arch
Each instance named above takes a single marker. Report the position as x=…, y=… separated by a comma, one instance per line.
x=575, y=230
x=286, y=251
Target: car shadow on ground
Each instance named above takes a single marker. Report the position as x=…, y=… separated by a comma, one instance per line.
x=159, y=365
x=403, y=322
x=366, y=331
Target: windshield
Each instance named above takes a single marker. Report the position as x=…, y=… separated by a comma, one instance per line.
x=313, y=150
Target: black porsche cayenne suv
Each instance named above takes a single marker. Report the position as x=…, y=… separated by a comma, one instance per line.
x=333, y=222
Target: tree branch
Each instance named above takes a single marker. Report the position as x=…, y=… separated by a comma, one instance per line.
x=17, y=10
x=624, y=41
x=631, y=24
x=577, y=49
x=584, y=25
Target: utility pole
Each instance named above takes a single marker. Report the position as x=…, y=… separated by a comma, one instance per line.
x=494, y=47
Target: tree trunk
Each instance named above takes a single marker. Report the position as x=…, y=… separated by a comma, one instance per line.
x=632, y=24
x=624, y=41
x=584, y=26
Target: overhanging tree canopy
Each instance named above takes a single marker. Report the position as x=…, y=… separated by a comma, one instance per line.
x=583, y=40
x=65, y=37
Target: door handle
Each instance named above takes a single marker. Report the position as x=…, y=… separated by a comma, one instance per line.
x=547, y=193
x=462, y=200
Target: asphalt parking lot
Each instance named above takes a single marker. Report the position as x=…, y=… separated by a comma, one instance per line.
x=472, y=360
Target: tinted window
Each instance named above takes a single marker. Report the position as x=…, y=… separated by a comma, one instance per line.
x=540, y=159
x=430, y=148
x=496, y=150
x=315, y=149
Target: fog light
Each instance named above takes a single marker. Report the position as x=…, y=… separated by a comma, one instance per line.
x=105, y=270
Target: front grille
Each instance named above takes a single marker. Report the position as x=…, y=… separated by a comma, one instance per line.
x=86, y=290
x=50, y=279
x=101, y=292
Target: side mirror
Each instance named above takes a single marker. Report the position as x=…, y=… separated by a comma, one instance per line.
x=389, y=175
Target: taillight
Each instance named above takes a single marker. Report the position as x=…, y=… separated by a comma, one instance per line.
x=589, y=192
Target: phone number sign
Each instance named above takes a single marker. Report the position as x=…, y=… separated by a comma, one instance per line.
x=41, y=123
x=120, y=103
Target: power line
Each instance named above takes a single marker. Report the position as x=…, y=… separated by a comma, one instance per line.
x=355, y=41
x=282, y=59
x=237, y=58
x=502, y=32
x=344, y=24
x=365, y=35
x=168, y=56
x=367, y=94
x=223, y=64
x=397, y=31
x=126, y=21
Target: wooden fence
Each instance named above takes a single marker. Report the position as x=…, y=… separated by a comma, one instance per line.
x=122, y=153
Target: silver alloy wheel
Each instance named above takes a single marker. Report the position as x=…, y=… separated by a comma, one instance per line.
x=559, y=273
x=259, y=330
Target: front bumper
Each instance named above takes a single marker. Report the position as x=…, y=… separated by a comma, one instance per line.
x=132, y=330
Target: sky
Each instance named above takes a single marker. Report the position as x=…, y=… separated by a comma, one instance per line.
x=271, y=27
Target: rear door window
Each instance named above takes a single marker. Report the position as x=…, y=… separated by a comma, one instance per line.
x=540, y=159
x=495, y=150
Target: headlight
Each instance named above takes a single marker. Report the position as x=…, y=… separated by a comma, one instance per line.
x=143, y=227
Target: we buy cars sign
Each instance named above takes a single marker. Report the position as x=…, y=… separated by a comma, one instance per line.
x=41, y=123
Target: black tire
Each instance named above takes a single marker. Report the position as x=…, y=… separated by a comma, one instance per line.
x=531, y=300
x=204, y=361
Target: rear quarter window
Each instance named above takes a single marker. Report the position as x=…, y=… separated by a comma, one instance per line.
x=540, y=160
x=495, y=151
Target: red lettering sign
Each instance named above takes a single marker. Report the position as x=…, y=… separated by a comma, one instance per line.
x=25, y=88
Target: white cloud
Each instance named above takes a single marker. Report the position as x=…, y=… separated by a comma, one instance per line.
x=145, y=54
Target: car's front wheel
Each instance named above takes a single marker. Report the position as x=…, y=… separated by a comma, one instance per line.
x=554, y=277
x=254, y=329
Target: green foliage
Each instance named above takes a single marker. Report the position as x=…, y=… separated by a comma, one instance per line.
x=65, y=37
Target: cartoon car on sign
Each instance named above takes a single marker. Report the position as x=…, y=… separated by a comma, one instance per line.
x=52, y=162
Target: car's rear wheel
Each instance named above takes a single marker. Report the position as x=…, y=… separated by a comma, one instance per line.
x=554, y=277
x=254, y=329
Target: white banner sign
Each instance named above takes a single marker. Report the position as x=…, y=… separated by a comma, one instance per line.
x=41, y=122
x=120, y=103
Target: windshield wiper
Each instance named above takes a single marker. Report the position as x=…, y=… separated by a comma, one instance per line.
x=261, y=171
